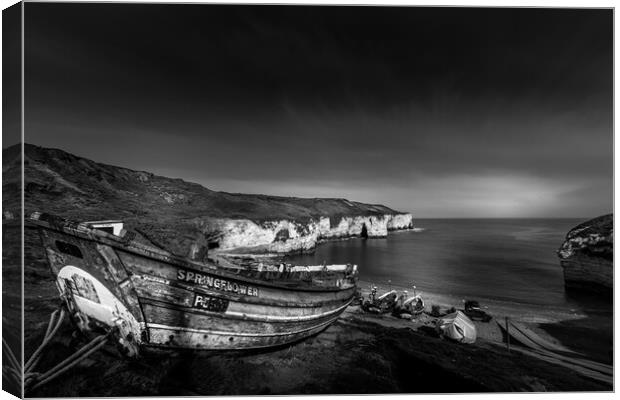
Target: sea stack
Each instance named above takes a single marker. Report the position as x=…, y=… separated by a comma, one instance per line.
x=587, y=256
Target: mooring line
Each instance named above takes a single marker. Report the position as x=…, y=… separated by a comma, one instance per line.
x=33, y=379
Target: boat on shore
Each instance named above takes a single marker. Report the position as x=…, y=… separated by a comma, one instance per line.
x=149, y=297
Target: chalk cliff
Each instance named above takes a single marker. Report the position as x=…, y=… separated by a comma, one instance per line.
x=586, y=256
x=285, y=236
x=180, y=216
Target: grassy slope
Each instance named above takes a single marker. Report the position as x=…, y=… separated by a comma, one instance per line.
x=166, y=209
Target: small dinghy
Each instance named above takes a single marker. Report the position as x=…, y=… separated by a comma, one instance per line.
x=150, y=297
x=408, y=307
x=382, y=304
x=415, y=305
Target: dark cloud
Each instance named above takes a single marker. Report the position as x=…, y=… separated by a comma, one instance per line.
x=403, y=106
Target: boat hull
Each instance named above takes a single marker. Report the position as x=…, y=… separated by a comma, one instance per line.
x=163, y=301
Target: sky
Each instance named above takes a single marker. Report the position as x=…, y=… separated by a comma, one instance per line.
x=442, y=112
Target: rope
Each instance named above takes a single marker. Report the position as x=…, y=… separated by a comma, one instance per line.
x=69, y=362
x=34, y=359
x=11, y=356
x=36, y=379
x=11, y=373
x=73, y=356
x=48, y=336
x=14, y=369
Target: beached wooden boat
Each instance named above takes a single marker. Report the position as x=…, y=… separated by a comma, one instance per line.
x=151, y=297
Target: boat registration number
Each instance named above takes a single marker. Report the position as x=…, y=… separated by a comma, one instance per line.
x=210, y=303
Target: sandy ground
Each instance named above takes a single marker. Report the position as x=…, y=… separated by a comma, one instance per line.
x=359, y=353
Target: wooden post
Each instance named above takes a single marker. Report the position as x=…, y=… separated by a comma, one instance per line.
x=507, y=335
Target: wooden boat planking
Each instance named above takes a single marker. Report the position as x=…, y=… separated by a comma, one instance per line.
x=169, y=301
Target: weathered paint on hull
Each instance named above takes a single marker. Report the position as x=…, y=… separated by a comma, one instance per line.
x=182, y=304
x=179, y=336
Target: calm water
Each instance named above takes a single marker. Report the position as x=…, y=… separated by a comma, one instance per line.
x=503, y=260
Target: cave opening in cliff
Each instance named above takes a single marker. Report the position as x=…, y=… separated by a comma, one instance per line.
x=364, y=233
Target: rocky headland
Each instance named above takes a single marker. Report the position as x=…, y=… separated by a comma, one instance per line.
x=587, y=256
x=181, y=216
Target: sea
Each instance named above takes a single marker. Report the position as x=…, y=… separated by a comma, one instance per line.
x=509, y=263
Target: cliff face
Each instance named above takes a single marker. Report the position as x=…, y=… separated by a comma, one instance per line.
x=586, y=256
x=181, y=216
x=285, y=236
